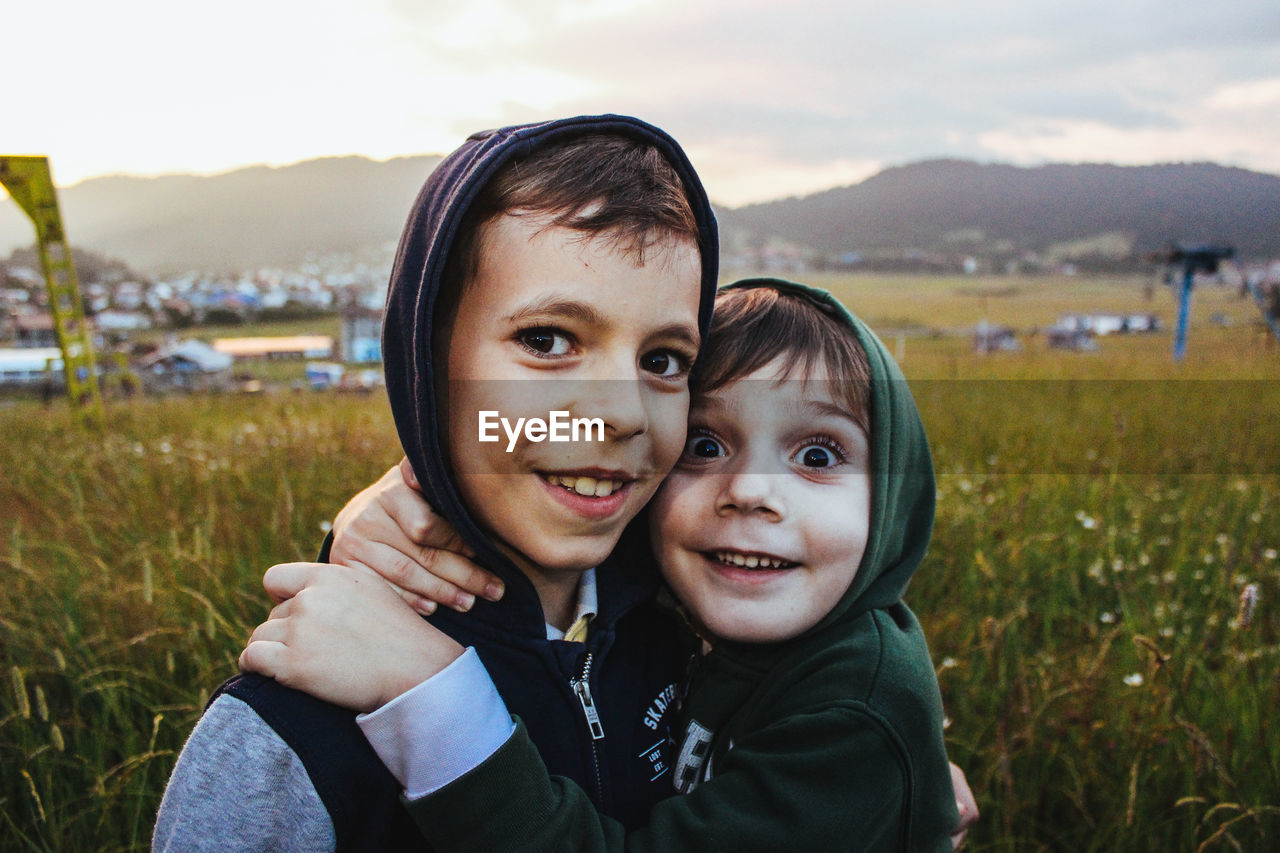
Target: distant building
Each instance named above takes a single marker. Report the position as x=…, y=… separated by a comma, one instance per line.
x=30, y=365
x=34, y=330
x=298, y=346
x=361, y=334
x=1074, y=339
x=1109, y=324
x=988, y=338
x=121, y=321
x=187, y=366
x=324, y=374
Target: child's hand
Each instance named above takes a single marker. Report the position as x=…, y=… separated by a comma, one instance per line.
x=343, y=635
x=389, y=529
x=965, y=803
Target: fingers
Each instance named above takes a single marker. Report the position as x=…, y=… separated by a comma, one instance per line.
x=430, y=576
x=266, y=652
x=966, y=805
x=285, y=580
x=458, y=570
x=406, y=474
x=404, y=504
x=418, y=522
x=264, y=657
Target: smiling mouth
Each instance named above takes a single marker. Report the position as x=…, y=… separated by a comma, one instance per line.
x=741, y=560
x=588, y=487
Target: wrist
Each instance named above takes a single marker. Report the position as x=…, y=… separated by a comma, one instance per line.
x=419, y=669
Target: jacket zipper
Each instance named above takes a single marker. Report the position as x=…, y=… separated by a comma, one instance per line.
x=582, y=689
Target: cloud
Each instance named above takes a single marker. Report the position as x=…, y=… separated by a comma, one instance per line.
x=816, y=82
x=774, y=98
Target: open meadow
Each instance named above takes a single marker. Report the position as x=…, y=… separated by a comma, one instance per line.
x=1100, y=517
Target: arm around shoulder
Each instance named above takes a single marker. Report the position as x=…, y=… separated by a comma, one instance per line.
x=238, y=786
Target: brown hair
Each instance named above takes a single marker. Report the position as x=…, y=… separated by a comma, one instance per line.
x=601, y=184
x=753, y=326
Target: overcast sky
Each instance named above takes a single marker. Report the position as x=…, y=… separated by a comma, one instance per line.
x=769, y=98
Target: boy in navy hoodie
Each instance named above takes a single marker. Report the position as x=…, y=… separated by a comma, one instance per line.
x=582, y=250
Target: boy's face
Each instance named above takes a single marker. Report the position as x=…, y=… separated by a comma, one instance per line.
x=760, y=528
x=548, y=303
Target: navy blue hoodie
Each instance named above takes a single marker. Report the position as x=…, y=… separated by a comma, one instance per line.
x=636, y=648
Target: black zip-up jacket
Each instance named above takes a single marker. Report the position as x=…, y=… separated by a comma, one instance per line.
x=636, y=649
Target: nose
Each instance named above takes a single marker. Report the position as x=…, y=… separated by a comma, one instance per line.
x=622, y=404
x=750, y=489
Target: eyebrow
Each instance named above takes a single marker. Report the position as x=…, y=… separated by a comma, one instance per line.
x=682, y=332
x=584, y=312
x=572, y=309
x=822, y=407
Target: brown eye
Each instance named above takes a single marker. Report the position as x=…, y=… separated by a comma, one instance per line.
x=545, y=341
x=663, y=363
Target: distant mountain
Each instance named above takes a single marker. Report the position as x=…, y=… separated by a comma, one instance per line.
x=253, y=217
x=262, y=216
x=955, y=206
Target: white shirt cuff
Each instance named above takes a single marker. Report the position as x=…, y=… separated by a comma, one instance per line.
x=442, y=729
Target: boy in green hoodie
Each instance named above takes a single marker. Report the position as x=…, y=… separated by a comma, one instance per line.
x=800, y=508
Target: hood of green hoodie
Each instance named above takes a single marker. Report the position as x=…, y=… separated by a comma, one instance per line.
x=902, y=483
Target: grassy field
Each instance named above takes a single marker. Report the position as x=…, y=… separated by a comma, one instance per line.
x=1099, y=517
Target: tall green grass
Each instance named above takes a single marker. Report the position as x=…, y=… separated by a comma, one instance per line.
x=132, y=562
x=1081, y=595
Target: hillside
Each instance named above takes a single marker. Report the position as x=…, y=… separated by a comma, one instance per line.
x=258, y=216
x=992, y=210
x=262, y=216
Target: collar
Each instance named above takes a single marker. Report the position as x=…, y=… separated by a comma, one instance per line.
x=588, y=606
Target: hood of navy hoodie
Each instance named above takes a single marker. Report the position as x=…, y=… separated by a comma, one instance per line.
x=409, y=331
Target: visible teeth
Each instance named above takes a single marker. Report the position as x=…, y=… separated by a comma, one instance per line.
x=749, y=561
x=586, y=486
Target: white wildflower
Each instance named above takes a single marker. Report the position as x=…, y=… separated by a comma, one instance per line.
x=1248, y=602
x=1134, y=679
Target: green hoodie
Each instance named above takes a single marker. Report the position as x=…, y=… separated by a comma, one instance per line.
x=828, y=741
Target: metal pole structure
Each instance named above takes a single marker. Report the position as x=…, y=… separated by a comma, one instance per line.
x=1194, y=259
x=1184, y=309
x=30, y=183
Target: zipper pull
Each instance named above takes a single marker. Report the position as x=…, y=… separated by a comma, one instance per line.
x=582, y=690
x=589, y=708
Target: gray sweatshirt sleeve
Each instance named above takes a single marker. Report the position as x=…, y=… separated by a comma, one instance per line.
x=238, y=786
